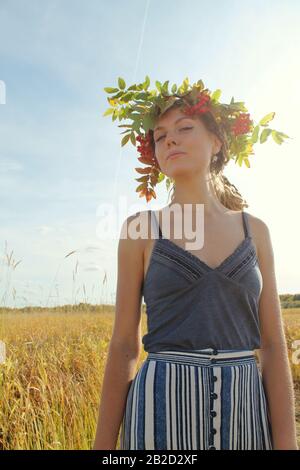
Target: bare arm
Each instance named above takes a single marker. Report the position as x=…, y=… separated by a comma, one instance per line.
x=273, y=355
x=125, y=344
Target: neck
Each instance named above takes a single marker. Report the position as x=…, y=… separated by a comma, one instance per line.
x=188, y=194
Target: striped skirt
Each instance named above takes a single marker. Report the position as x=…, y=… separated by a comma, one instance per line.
x=200, y=400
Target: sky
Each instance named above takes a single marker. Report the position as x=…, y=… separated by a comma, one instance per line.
x=61, y=162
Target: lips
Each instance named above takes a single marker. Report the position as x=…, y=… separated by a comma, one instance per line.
x=177, y=152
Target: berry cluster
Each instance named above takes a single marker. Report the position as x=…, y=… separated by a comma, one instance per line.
x=200, y=107
x=242, y=124
x=145, y=147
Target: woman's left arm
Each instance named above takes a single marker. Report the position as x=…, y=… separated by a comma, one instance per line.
x=273, y=355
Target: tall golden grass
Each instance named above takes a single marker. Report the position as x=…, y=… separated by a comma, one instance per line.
x=52, y=376
x=9, y=265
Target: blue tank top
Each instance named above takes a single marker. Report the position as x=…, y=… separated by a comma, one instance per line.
x=190, y=305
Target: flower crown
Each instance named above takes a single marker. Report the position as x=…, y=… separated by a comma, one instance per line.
x=144, y=106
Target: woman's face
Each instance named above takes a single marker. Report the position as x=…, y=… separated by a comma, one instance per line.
x=174, y=131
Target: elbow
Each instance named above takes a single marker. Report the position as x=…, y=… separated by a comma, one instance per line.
x=127, y=350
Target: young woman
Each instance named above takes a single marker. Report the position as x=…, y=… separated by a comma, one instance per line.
x=208, y=309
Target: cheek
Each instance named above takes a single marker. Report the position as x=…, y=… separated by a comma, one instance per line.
x=197, y=146
x=158, y=155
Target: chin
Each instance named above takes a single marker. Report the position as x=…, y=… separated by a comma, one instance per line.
x=181, y=170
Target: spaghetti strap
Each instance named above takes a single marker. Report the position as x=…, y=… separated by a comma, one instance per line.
x=157, y=229
x=246, y=224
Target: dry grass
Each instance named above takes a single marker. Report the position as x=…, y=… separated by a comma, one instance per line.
x=51, y=379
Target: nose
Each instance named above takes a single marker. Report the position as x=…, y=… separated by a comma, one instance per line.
x=170, y=138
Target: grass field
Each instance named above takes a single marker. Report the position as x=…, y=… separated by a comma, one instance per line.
x=51, y=379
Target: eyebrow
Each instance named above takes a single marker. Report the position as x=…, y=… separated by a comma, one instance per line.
x=179, y=119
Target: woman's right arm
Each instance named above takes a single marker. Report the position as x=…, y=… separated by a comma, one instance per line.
x=125, y=344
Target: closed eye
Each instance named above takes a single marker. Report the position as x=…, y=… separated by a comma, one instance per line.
x=182, y=129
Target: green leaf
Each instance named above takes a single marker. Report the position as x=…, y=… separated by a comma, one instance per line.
x=125, y=139
x=121, y=83
x=184, y=87
x=140, y=109
x=148, y=122
x=216, y=95
x=165, y=104
x=254, y=136
x=240, y=160
x=264, y=135
x=118, y=95
x=136, y=125
x=200, y=84
x=238, y=106
x=247, y=162
x=141, y=96
x=108, y=111
x=158, y=85
x=185, y=83
x=146, y=83
x=122, y=112
x=276, y=137
x=140, y=86
x=131, y=115
x=283, y=135
x=165, y=87
x=127, y=97
x=266, y=119
x=174, y=88
x=160, y=102
x=132, y=87
x=111, y=90
x=161, y=177
x=132, y=138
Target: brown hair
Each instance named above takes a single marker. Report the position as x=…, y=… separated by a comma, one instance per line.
x=225, y=191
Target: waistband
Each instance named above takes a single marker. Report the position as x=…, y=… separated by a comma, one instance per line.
x=205, y=356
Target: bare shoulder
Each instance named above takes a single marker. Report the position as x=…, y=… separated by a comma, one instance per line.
x=261, y=236
x=133, y=241
x=134, y=231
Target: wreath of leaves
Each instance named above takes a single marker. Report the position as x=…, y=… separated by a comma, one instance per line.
x=143, y=106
